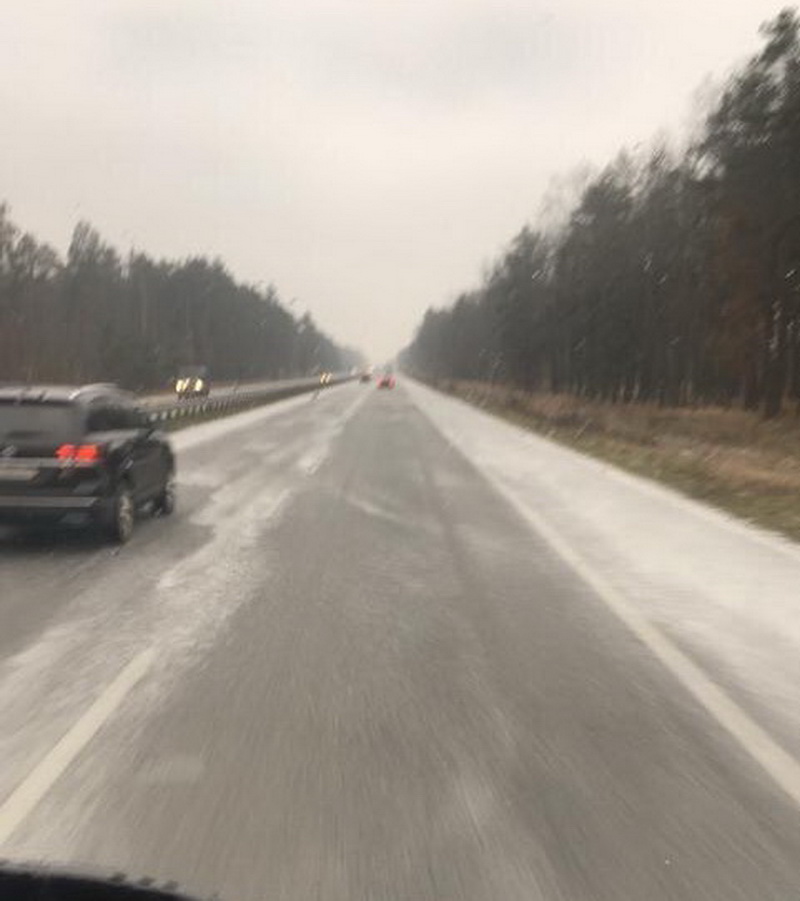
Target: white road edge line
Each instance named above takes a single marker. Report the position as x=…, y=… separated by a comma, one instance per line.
x=778, y=763
x=782, y=767
x=41, y=779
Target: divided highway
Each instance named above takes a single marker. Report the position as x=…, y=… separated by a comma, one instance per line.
x=391, y=648
x=228, y=398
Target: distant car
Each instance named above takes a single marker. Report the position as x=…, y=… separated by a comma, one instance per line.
x=386, y=381
x=84, y=455
x=192, y=381
x=365, y=377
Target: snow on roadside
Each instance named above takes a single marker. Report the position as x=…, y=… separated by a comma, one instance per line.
x=174, y=597
x=727, y=592
x=192, y=435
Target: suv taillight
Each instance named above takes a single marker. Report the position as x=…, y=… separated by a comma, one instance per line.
x=80, y=453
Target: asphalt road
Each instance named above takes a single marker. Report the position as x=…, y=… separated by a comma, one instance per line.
x=350, y=669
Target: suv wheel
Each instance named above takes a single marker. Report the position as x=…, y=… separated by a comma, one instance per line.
x=164, y=504
x=121, y=515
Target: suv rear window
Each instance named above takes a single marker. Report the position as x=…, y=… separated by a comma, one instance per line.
x=38, y=420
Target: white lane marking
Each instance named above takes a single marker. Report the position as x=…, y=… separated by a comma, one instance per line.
x=782, y=767
x=778, y=763
x=321, y=445
x=35, y=786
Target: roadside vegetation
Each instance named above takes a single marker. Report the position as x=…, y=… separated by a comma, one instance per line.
x=655, y=321
x=97, y=315
x=734, y=459
x=674, y=276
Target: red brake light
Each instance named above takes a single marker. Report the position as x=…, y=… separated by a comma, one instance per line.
x=88, y=453
x=82, y=453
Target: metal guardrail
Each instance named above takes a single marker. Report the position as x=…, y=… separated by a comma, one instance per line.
x=238, y=399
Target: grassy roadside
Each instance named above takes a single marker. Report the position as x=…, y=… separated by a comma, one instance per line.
x=729, y=458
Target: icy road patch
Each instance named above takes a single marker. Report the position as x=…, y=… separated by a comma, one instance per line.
x=726, y=593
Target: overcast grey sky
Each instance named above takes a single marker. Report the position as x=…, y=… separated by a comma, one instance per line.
x=368, y=157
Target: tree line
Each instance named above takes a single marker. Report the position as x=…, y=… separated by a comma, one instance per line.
x=675, y=278
x=96, y=316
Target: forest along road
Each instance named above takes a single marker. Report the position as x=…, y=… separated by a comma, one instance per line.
x=392, y=648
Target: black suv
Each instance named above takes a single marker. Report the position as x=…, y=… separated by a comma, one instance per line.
x=81, y=454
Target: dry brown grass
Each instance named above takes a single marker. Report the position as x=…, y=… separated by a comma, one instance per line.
x=730, y=458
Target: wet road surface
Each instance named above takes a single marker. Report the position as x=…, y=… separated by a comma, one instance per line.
x=350, y=668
